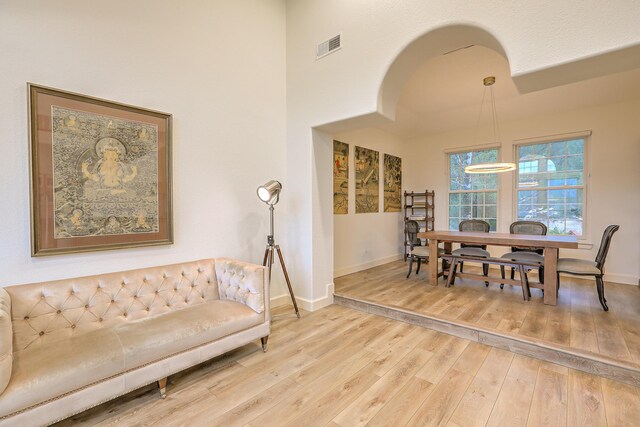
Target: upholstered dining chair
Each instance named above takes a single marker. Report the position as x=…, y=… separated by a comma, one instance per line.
x=474, y=249
x=526, y=254
x=417, y=252
x=583, y=267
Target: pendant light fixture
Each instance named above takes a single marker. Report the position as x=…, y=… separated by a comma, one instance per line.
x=490, y=167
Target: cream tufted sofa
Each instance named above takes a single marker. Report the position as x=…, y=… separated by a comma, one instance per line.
x=68, y=345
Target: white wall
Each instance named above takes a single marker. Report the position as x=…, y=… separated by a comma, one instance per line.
x=365, y=240
x=613, y=187
x=542, y=42
x=217, y=66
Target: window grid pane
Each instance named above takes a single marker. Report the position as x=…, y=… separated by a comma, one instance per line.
x=550, y=184
x=472, y=196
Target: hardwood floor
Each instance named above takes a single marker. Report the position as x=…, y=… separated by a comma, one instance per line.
x=578, y=320
x=341, y=367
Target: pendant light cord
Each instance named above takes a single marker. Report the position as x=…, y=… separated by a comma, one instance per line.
x=475, y=135
x=496, y=129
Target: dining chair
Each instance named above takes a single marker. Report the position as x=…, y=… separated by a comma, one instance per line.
x=416, y=250
x=583, y=267
x=526, y=253
x=470, y=249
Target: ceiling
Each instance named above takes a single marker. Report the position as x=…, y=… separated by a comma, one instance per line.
x=445, y=93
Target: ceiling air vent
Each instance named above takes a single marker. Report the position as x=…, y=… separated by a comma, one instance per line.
x=329, y=46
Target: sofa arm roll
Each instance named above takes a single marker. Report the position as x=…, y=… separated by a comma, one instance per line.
x=243, y=282
x=6, y=339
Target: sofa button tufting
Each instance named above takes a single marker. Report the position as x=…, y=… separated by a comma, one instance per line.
x=125, y=314
x=41, y=333
x=135, y=297
x=157, y=292
x=147, y=309
x=73, y=326
x=58, y=311
x=26, y=317
x=100, y=319
x=112, y=301
x=86, y=306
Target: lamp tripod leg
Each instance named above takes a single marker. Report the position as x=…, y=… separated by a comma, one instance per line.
x=268, y=259
x=266, y=255
x=286, y=276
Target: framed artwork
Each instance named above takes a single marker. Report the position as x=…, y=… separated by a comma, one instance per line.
x=392, y=183
x=367, y=180
x=100, y=174
x=340, y=177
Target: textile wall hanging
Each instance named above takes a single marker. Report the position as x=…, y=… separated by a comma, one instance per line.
x=367, y=165
x=392, y=183
x=340, y=177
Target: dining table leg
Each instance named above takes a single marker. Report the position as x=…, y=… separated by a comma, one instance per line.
x=550, y=276
x=433, y=262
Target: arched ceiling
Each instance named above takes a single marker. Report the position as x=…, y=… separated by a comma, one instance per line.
x=445, y=93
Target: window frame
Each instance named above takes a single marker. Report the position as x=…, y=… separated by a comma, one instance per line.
x=585, y=136
x=458, y=150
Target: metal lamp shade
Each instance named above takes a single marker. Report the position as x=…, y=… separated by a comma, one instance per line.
x=270, y=192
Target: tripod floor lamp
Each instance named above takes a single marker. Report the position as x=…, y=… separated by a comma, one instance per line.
x=270, y=194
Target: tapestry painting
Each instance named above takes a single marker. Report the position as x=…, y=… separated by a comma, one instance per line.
x=392, y=183
x=103, y=185
x=340, y=177
x=367, y=166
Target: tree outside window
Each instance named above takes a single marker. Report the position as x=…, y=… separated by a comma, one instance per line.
x=550, y=185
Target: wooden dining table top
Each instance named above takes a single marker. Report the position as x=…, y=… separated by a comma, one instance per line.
x=502, y=239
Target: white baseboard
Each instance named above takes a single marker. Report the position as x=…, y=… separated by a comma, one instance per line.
x=369, y=264
x=304, y=303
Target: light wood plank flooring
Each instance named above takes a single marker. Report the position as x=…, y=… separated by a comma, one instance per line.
x=341, y=367
x=578, y=320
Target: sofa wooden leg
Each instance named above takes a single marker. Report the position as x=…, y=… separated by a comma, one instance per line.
x=162, y=384
x=264, y=343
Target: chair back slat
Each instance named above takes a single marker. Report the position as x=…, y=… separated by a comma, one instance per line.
x=604, y=245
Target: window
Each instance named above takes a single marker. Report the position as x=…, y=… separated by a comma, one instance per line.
x=550, y=185
x=472, y=196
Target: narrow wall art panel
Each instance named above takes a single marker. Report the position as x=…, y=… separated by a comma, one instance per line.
x=340, y=177
x=392, y=183
x=367, y=180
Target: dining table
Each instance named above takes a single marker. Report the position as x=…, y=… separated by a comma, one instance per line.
x=550, y=244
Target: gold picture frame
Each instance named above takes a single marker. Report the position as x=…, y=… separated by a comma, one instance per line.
x=100, y=174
